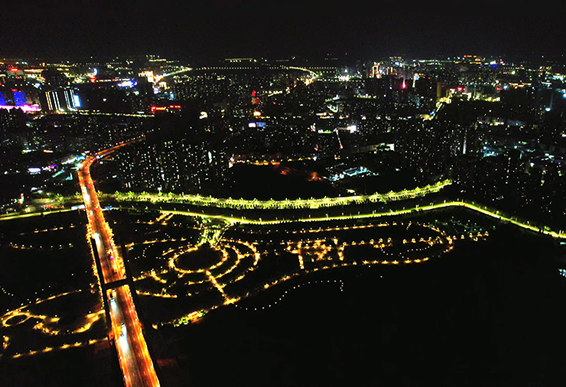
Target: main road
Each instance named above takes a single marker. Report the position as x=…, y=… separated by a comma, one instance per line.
x=133, y=354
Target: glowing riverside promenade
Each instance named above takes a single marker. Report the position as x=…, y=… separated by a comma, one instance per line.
x=135, y=361
x=311, y=204
x=144, y=198
x=471, y=206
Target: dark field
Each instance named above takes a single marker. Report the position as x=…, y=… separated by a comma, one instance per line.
x=488, y=315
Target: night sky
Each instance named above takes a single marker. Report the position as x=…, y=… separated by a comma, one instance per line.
x=203, y=30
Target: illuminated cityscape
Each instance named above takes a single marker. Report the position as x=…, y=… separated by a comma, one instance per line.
x=283, y=194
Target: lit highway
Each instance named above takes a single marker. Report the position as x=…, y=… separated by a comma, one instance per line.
x=135, y=361
x=110, y=261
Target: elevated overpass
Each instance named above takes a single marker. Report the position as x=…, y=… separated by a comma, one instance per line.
x=126, y=329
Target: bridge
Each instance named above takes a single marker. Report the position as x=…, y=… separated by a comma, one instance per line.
x=126, y=329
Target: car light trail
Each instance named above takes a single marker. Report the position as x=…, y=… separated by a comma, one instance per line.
x=126, y=329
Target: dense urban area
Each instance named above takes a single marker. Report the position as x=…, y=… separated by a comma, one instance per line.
x=157, y=217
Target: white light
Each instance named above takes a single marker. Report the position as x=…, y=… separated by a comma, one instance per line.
x=128, y=84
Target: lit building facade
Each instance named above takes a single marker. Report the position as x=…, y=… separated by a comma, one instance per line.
x=177, y=165
x=62, y=100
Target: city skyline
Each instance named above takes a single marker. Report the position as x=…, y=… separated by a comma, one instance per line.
x=275, y=193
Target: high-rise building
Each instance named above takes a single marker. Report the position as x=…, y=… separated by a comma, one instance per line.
x=439, y=92
x=173, y=165
x=376, y=71
x=20, y=98
x=62, y=100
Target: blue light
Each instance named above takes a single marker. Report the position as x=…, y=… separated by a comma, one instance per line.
x=76, y=101
x=20, y=98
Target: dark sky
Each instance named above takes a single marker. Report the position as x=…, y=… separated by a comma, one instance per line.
x=228, y=28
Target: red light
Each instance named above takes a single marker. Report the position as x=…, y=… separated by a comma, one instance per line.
x=13, y=69
x=253, y=93
x=14, y=90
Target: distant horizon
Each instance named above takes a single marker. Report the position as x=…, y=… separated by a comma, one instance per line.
x=330, y=58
